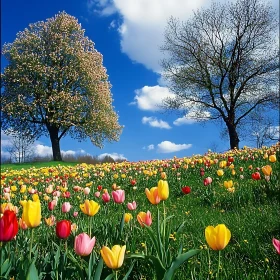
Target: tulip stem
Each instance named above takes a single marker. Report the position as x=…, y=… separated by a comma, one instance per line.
x=31, y=241
x=219, y=262
x=116, y=275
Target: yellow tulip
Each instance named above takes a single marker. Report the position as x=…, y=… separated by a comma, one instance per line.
x=272, y=158
x=31, y=214
x=218, y=237
x=113, y=258
x=267, y=170
x=220, y=172
x=90, y=207
x=152, y=195
x=222, y=164
x=228, y=184
x=127, y=217
x=163, y=189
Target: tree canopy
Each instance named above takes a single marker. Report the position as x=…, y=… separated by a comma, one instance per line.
x=55, y=84
x=223, y=63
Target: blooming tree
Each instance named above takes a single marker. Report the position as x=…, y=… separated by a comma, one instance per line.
x=55, y=84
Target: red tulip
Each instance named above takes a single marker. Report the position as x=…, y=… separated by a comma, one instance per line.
x=207, y=181
x=52, y=204
x=8, y=226
x=186, y=190
x=256, y=176
x=106, y=197
x=63, y=229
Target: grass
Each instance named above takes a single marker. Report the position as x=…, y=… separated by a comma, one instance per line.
x=18, y=166
x=251, y=213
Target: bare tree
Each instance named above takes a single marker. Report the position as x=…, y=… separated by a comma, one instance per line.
x=223, y=63
x=20, y=148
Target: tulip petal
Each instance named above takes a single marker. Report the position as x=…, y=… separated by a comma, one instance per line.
x=108, y=257
x=223, y=236
x=210, y=237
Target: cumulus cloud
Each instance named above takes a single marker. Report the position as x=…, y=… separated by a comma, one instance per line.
x=150, y=98
x=170, y=147
x=192, y=117
x=154, y=122
x=114, y=156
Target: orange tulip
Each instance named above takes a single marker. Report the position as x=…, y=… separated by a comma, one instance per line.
x=144, y=218
x=152, y=195
x=267, y=170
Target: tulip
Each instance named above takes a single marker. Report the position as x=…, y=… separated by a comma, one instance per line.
x=83, y=245
x=276, y=244
x=223, y=164
x=218, y=237
x=22, y=224
x=66, y=206
x=97, y=194
x=220, y=172
x=144, y=218
x=113, y=258
x=86, y=191
x=152, y=195
x=127, y=217
x=8, y=226
x=207, y=181
x=131, y=205
x=8, y=206
x=31, y=214
x=63, y=229
x=90, y=207
x=106, y=197
x=267, y=170
x=118, y=196
x=256, y=176
x=50, y=221
x=186, y=190
x=228, y=184
x=272, y=158
x=163, y=189
x=52, y=204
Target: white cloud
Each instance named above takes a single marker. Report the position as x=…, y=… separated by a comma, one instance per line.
x=114, y=156
x=191, y=117
x=5, y=140
x=169, y=147
x=143, y=24
x=150, y=98
x=151, y=147
x=154, y=122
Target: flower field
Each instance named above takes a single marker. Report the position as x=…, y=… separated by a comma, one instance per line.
x=212, y=216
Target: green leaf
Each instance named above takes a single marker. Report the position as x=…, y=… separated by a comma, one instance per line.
x=122, y=225
x=98, y=270
x=178, y=262
x=109, y=277
x=5, y=266
x=32, y=272
x=129, y=271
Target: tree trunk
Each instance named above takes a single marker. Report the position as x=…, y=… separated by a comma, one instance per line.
x=53, y=131
x=233, y=136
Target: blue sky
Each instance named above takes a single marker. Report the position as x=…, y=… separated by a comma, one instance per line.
x=128, y=34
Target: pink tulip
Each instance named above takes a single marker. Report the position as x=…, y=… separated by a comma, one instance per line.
x=52, y=204
x=106, y=197
x=118, y=196
x=97, y=194
x=83, y=245
x=75, y=214
x=86, y=190
x=66, y=206
x=144, y=218
x=276, y=244
x=131, y=205
x=207, y=181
